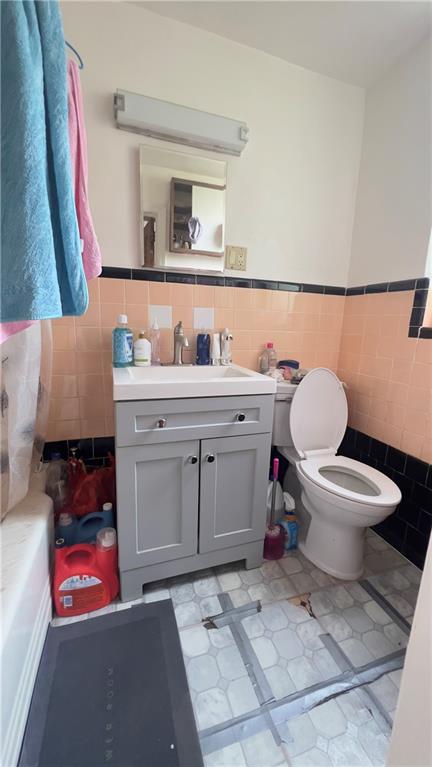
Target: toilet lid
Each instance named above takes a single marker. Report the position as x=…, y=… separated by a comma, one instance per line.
x=319, y=413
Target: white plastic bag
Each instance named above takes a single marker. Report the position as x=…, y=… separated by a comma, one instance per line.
x=22, y=393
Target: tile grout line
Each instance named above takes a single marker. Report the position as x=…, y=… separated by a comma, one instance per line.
x=253, y=667
x=255, y=672
x=367, y=695
x=241, y=727
x=386, y=606
x=299, y=702
x=318, y=590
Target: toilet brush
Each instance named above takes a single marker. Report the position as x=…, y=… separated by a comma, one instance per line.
x=274, y=541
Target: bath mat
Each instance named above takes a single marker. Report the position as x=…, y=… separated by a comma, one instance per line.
x=113, y=691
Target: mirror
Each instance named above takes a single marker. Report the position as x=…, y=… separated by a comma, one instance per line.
x=182, y=222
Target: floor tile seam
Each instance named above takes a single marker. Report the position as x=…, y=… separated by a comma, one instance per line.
x=379, y=714
x=253, y=667
x=263, y=605
x=386, y=606
x=407, y=626
x=391, y=663
x=256, y=721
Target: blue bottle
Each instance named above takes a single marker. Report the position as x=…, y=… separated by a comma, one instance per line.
x=89, y=526
x=122, y=343
x=203, y=349
x=66, y=528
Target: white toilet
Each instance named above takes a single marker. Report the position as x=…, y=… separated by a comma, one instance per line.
x=337, y=498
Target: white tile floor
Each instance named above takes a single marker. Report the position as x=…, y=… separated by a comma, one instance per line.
x=351, y=729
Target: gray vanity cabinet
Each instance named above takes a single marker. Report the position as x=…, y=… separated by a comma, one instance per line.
x=233, y=491
x=158, y=488
x=191, y=485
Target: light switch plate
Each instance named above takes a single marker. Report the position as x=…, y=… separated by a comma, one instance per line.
x=236, y=258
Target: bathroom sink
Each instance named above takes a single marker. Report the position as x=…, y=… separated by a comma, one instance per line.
x=172, y=381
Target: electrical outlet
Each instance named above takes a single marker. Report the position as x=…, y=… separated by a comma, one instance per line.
x=236, y=257
x=241, y=259
x=230, y=257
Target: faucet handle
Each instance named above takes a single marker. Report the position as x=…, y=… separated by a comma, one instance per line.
x=178, y=330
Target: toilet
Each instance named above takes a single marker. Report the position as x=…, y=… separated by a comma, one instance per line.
x=336, y=498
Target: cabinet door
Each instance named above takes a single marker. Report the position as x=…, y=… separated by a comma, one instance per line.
x=157, y=502
x=233, y=493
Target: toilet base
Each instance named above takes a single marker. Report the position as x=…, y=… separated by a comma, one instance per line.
x=312, y=533
x=337, y=549
x=325, y=568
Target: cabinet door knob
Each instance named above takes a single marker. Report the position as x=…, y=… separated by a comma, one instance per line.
x=210, y=458
x=161, y=423
x=240, y=417
x=193, y=459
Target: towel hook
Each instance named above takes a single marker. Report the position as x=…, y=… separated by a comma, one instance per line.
x=80, y=61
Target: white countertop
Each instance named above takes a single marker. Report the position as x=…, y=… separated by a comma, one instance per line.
x=179, y=381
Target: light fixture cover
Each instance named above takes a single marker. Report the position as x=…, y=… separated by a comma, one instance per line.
x=181, y=125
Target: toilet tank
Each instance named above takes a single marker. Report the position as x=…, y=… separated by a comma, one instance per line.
x=281, y=436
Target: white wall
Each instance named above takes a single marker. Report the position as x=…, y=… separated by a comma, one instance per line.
x=290, y=197
x=411, y=742
x=393, y=211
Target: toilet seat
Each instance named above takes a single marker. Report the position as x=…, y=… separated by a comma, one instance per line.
x=384, y=492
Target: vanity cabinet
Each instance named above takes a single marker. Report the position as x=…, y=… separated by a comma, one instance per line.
x=157, y=489
x=191, y=485
x=232, y=491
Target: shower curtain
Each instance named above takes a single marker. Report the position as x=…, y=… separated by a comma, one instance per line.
x=24, y=400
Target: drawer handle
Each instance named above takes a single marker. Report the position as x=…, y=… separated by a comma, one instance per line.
x=210, y=458
x=193, y=459
x=240, y=417
x=161, y=423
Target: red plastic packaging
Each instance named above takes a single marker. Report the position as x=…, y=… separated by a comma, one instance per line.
x=88, y=491
x=85, y=578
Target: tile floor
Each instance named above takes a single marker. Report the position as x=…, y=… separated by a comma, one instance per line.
x=250, y=680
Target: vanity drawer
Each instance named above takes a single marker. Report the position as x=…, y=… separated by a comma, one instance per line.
x=145, y=422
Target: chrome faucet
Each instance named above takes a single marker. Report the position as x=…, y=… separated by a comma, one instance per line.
x=180, y=343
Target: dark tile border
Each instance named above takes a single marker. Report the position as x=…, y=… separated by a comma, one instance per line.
x=186, y=278
x=425, y=333
x=420, y=285
x=408, y=529
x=92, y=450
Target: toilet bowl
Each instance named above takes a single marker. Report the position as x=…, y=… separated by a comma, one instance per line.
x=337, y=498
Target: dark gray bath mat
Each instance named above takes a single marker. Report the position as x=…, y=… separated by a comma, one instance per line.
x=112, y=691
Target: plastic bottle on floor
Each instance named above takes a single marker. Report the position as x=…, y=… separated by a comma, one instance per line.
x=86, y=576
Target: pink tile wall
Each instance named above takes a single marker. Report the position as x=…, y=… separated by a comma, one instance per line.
x=303, y=326
x=388, y=374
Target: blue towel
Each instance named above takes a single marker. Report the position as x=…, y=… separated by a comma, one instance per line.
x=42, y=270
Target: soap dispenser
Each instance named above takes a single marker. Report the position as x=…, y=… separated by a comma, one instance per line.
x=226, y=351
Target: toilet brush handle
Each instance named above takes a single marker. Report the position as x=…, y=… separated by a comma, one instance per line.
x=273, y=497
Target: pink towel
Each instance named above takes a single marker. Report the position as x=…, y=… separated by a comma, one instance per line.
x=78, y=148
x=8, y=329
